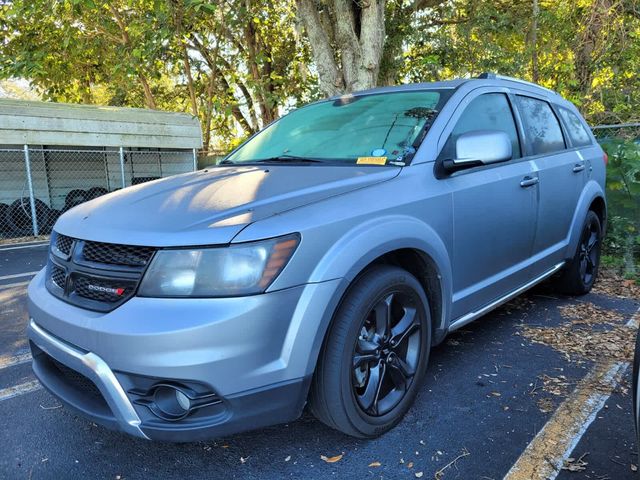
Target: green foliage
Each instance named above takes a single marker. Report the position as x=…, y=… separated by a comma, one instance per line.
x=623, y=198
x=239, y=64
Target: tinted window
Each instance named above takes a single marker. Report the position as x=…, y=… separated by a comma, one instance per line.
x=577, y=133
x=490, y=111
x=541, y=126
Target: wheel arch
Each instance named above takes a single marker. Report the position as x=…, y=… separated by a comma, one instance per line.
x=420, y=251
x=592, y=198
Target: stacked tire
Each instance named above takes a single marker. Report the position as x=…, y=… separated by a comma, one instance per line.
x=16, y=218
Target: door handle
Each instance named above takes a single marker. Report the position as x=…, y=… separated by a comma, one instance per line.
x=528, y=181
x=578, y=167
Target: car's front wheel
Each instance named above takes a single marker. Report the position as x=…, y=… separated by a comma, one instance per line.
x=375, y=354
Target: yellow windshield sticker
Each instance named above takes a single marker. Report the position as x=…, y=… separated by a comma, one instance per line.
x=371, y=160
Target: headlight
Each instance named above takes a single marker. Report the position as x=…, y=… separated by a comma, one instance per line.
x=241, y=269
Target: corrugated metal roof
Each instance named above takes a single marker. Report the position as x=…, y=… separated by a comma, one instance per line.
x=44, y=123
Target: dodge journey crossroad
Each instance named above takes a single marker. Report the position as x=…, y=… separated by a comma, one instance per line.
x=319, y=262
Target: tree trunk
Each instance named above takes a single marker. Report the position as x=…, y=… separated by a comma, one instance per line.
x=187, y=72
x=587, y=51
x=347, y=49
x=149, y=100
x=534, y=42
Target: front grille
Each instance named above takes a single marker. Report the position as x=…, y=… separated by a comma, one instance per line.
x=64, y=243
x=101, y=290
x=58, y=276
x=113, y=254
x=77, y=380
x=102, y=275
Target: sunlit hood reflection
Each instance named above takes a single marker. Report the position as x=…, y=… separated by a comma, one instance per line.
x=210, y=206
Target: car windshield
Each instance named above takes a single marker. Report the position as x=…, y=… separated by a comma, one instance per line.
x=375, y=128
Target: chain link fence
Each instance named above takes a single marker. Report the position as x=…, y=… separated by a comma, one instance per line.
x=37, y=185
x=622, y=244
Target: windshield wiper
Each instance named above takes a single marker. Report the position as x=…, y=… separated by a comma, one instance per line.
x=287, y=158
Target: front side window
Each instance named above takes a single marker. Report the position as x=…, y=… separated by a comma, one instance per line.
x=490, y=111
x=388, y=126
x=542, y=128
x=575, y=128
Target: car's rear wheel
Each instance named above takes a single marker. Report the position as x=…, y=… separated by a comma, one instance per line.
x=581, y=272
x=375, y=354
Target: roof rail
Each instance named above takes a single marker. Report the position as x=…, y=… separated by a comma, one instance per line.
x=494, y=76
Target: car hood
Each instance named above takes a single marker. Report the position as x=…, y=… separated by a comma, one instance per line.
x=211, y=206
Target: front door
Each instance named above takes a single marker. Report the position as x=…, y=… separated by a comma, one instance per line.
x=494, y=211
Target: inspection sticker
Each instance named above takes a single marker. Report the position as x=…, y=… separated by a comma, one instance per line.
x=372, y=160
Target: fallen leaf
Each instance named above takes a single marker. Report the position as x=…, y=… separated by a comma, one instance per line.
x=410, y=465
x=335, y=459
x=375, y=464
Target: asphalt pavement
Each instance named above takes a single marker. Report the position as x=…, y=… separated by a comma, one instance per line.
x=485, y=400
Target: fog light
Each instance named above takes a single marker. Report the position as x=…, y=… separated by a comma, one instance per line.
x=171, y=402
x=183, y=400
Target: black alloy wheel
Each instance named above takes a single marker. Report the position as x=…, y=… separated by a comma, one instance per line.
x=375, y=354
x=580, y=273
x=386, y=354
x=589, y=251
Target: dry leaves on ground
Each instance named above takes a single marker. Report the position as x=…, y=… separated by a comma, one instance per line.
x=590, y=332
x=613, y=284
x=546, y=405
x=519, y=304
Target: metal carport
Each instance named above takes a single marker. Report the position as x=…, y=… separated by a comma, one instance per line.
x=54, y=156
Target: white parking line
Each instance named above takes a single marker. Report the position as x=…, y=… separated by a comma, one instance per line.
x=18, y=275
x=552, y=446
x=15, y=360
x=14, y=285
x=18, y=247
x=23, y=388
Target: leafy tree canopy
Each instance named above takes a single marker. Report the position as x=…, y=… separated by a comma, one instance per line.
x=239, y=64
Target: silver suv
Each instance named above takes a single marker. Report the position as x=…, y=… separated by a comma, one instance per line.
x=319, y=262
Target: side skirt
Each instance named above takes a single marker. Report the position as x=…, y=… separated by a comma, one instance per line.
x=471, y=316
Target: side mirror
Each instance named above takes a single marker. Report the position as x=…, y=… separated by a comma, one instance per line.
x=480, y=147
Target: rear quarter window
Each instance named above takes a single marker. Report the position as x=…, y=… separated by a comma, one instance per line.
x=575, y=128
x=541, y=125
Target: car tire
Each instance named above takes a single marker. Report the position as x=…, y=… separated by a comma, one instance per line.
x=18, y=215
x=95, y=192
x=4, y=222
x=579, y=275
x=397, y=354
x=74, y=198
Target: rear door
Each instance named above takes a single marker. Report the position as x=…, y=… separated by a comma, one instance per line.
x=494, y=208
x=561, y=171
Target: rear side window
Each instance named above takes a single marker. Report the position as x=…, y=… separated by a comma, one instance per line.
x=575, y=128
x=490, y=111
x=541, y=126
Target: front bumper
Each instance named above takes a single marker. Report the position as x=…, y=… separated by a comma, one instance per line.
x=254, y=353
